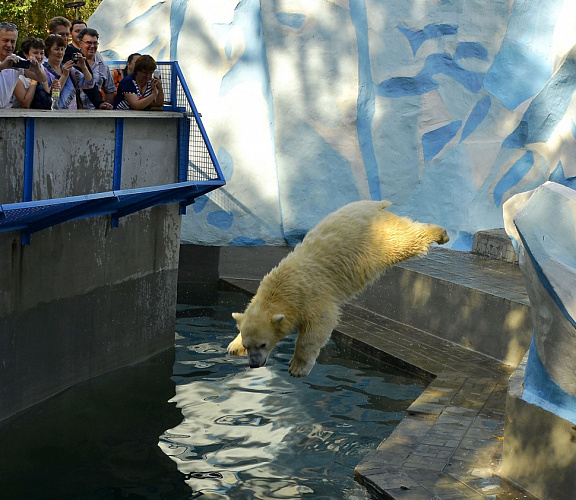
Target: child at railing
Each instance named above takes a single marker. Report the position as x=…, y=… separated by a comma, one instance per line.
x=30, y=93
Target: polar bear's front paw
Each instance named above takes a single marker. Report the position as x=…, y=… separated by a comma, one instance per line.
x=300, y=367
x=235, y=347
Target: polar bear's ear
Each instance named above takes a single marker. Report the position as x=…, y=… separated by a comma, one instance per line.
x=277, y=319
x=238, y=317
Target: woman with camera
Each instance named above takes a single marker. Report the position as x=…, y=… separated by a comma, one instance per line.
x=70, y=79
x=29, y=93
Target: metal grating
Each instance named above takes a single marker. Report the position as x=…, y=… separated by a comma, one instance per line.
x=197, y=162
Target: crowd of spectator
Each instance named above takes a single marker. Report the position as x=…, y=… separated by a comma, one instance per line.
x=67, y=68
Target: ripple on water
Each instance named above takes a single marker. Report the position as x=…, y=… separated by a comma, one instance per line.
x=263, y=434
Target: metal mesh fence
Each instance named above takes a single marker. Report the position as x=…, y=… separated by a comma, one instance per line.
x=197, y=161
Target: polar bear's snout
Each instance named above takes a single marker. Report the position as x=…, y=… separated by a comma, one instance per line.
x=257, y=357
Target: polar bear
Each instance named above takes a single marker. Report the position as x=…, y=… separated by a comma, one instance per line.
x=337, y=259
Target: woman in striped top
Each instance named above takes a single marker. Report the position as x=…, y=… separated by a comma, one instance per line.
x=141, y=90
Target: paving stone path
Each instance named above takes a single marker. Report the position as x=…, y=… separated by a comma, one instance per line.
x=449, y=446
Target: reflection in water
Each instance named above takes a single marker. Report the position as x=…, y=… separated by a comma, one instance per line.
x=97, y=440
x=263, y=434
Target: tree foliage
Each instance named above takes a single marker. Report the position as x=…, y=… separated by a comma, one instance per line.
x=32, y=16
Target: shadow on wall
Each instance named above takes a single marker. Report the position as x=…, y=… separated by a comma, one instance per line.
x=539, y=447
x=475, y=319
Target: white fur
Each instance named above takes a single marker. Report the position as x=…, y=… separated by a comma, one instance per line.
x=337, y=259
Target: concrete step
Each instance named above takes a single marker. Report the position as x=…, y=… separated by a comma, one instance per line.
x=476, y=302
x=494, y=244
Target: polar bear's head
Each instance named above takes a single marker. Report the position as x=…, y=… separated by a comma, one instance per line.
x=260, y=333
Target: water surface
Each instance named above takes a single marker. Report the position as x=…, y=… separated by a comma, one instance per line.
x=259, y=433
x=198, y=423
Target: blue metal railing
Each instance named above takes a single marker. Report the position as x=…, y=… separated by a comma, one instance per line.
x=198, y=172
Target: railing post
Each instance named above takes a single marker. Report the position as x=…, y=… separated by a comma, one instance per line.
x=174, y=86
x=118, y=145
x=28, y=169
x=29, y=159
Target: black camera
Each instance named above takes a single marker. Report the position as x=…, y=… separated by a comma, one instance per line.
x=21, y=63
x=75, y=57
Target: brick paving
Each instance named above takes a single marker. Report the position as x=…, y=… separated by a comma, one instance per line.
x=449, y=445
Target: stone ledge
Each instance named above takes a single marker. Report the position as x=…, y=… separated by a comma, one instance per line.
x=494, y=244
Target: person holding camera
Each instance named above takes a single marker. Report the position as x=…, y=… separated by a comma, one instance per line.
x=12, y=66
x=29, y=93
x=71, y=80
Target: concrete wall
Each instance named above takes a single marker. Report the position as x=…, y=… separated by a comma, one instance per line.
x=84, y=298
x=445, y=108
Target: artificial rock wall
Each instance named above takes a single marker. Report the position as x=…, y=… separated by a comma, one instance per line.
x=539, y=440
x=446, y=108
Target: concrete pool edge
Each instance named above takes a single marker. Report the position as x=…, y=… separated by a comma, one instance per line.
x=449, y=445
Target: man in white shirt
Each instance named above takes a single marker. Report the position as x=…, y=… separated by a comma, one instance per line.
x=8, y=74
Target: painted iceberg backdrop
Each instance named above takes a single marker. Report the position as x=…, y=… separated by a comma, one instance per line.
x=447, y=109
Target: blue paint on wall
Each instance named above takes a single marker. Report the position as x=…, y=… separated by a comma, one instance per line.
x=294, y=237
x=417, y=37
x=433, y=142
x=517, y=139
x=540, y=389
x=550, y=106
x=226, y=162
x=546, y=110
x=524, y=63
x=177, y=16
x=137, y=20
x=402, y=86
x=545, y=282
x=366, y=97
x=445, y=63
x=241, y=241
x=423, y=82
x=513, y=176
x=252, y=65
x=290, y=19
x=464, y=242
x=200, y=203
x=220, y=219
x=474, y=50
x=151, y=47
x=476, y=117
x=559, y=177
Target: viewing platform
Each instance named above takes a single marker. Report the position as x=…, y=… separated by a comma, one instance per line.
x=90, y=206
